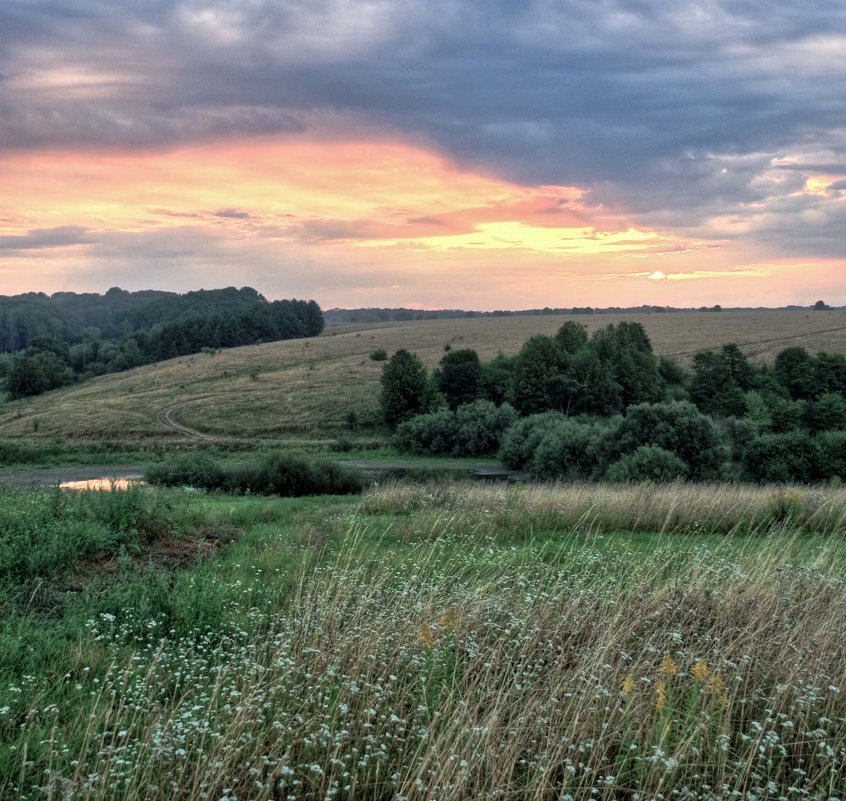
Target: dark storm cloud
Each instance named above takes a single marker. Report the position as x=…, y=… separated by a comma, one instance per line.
x=673, y=109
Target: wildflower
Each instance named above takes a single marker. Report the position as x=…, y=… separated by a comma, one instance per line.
x=700, y=671
x=668, y=667
x=717, y=687
x=448, y=620
x=426, y=635
x=660, y=694
x=628, y=684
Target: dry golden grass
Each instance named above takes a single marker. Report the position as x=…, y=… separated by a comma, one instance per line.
x=608, y=508
x=299, y=387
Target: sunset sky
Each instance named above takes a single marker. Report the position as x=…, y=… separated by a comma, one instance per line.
x=429, y=153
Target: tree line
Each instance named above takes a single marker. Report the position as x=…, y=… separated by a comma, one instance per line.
x=582, y=406
x=50, y=341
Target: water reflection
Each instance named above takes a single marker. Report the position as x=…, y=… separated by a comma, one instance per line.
x=103, y=484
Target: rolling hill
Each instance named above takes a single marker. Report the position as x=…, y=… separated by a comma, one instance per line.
x=306, y=388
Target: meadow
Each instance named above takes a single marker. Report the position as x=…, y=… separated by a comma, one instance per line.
x=304, y=390
x=433, y=641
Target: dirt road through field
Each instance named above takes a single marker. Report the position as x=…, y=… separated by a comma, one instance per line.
x=165, y=417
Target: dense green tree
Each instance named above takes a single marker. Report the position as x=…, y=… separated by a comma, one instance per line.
x=791, y=456
x=830, y=373
x=571, y=337
x=626, y=352
x=405, y=388
x=537, y=366
x=831, y=450
x=720, y=381
x=497, y=378
x=826, y=413
x=795, y=370
x=36, y=373
x=459, y=377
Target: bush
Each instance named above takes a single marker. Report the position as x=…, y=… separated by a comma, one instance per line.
x=189, y=470
x=523, y=437
x=679, y=428
x=569, y=450
x=432, y=433
x=294, y=476
x=831, y=449
x=379, y=355
x=480, y=427
x=276, y=474
x=792, y=456
x=647, y=463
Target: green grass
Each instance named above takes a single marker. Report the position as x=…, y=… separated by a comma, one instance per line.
x=432, y=641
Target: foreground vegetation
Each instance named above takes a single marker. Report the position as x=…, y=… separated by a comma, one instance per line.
x=439, y=641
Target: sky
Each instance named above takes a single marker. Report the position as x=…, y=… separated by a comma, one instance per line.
x=483, y=154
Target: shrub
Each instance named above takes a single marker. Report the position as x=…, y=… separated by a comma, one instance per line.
x=276, y=474
x=294, y=476
x=480, y=427
x=523, y=437
x=678, y=427
x=379, y=355
x=188, y=470
x=831, y=448
x=432, y=433
x=647, y=463
x=568, y=450
x=792, y=456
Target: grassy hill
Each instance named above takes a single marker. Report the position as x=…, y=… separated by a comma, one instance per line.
x=305, y=388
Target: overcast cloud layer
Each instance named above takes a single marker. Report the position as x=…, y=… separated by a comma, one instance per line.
x=707, y=118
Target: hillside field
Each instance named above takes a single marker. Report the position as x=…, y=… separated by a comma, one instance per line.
x=306, y=388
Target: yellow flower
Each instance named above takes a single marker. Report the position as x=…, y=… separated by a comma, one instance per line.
x=448, y=620
x=426, y=635
x=628, y=684
x=668, y=666
x=660, y=694
x=717, y=687
x=700, y=671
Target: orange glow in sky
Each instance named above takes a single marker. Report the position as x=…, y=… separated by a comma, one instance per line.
x=349, y=223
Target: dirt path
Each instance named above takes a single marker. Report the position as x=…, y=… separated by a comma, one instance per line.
x=165, y=417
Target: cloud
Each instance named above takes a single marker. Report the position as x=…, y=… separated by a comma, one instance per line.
x=40, y=238
x=232, y=214
x=702, y=120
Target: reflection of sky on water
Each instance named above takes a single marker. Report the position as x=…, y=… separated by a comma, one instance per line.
x=102, y=484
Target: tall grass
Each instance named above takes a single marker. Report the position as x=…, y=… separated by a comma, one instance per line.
x=662, y=508
x=459, y=669
x=44, y=531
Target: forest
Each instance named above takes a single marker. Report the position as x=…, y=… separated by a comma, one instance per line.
x=48, y=341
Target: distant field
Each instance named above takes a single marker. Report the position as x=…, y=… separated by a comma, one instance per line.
x=305, y=388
